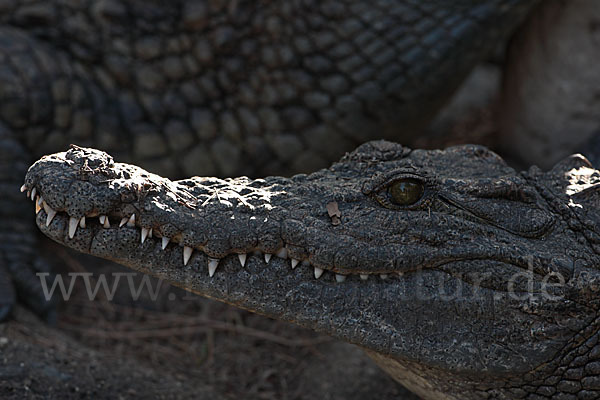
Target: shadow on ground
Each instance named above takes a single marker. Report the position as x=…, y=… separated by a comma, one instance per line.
x=173, y=345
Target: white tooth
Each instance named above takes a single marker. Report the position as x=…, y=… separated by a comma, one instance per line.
x=51, y=213
x=131, y=221
x=50, y=217
x=383, y=276
x=150, y=232
x=213, y=263
x=23, y=188
x=33, y=193
x=187, y=253
x=165, y=242
x=268, y=257
x=340, y=278
x=294, y=263
x=123, y=221
x=38, y=205
x=242, y=258
x=282, y=253
x=73, y=222
x=144, y=234
x=364, y=277
x=82, y=222
x=104, y=221
x=318, y=272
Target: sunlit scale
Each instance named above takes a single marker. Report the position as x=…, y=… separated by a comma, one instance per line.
x=187, y=253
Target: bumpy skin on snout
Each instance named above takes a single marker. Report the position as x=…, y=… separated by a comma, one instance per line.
x=485, y=286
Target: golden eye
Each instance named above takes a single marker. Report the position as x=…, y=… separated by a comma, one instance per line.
x=405, y=192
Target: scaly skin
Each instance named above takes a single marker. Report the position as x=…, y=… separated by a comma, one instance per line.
x=485, y=286
x=221, y=87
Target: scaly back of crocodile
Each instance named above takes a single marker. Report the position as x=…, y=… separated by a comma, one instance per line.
x=236, y=87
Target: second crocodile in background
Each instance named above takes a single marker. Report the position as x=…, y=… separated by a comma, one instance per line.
x=220, y=87
x=461, y=277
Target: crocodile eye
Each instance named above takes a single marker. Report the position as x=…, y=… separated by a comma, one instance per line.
x=406, y=192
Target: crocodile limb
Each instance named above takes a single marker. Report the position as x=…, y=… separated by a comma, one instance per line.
x=461, y=277
x=288, y=86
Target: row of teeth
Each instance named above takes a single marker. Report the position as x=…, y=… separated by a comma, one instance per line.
x=213, y=263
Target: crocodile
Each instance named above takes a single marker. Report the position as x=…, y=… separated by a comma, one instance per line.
x=220, y=88
x=459, y=276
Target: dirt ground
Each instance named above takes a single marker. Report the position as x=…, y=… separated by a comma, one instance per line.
x=178, y=346
x=183, y=346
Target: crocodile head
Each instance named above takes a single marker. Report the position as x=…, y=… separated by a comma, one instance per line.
x=460, y=276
